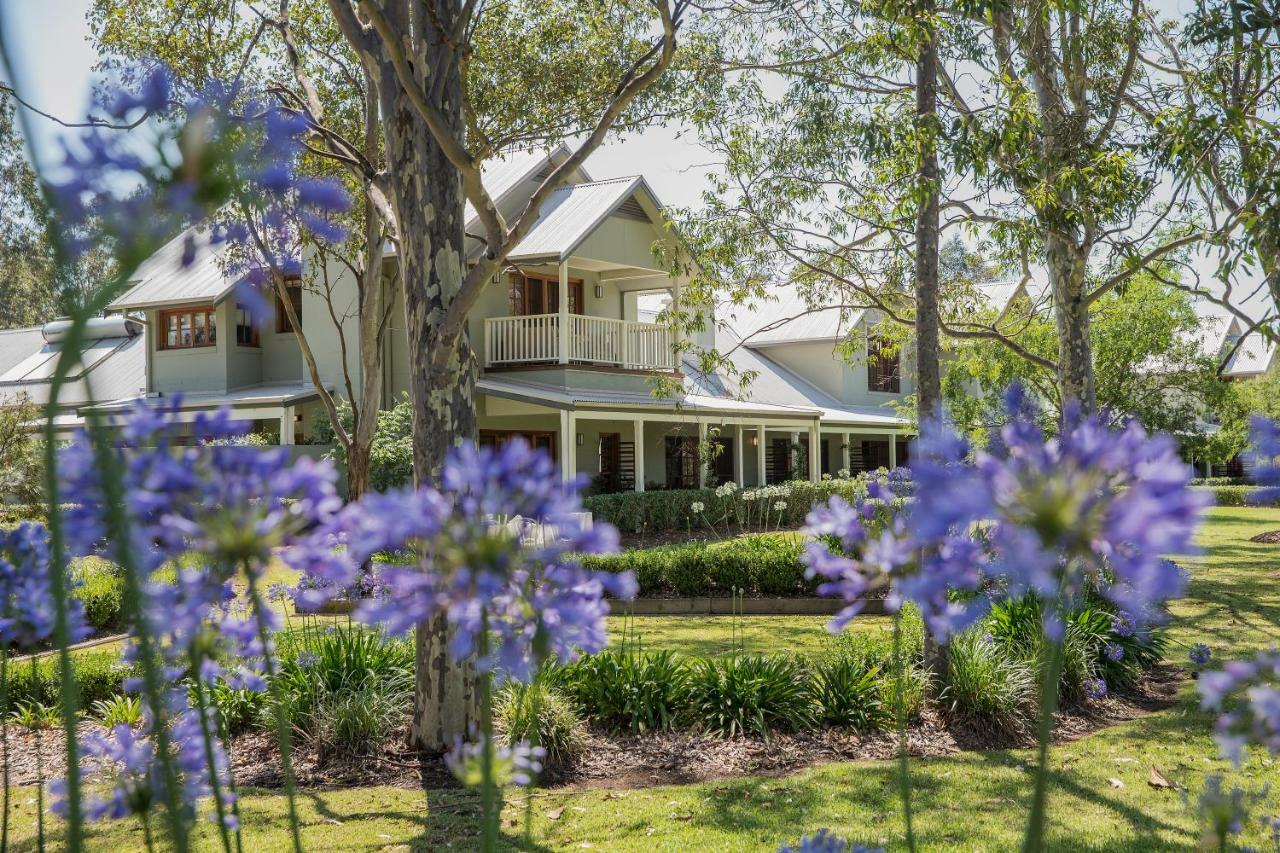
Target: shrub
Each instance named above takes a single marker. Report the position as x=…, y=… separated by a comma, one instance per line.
x=741, y=694
x=99, y=674
x=1238, y=496
x=539, y=714
x=760, y=565
x=987, y=686
x=235, y=709
x=103, y=595
x=668, y=509
x=119, y=710
x=390, y=456
x=848, y=694
x=358, y=720
x=630, y=690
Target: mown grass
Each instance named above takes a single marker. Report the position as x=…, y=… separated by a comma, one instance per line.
x=970, y=801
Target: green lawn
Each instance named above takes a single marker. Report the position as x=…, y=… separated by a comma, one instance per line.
x=974, y=801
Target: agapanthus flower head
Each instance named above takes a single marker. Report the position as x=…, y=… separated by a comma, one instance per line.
x=1250, y=689
x=515, y=764
x=825, y=841
x=27, y=614
x=1095, y=688
x=1200, y=654
x=1114, y=652
x=498, y=544
x=126, y=759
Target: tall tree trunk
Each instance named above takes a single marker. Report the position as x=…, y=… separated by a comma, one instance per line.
x=429, y=205
x=928, y=369
x=1066, y=264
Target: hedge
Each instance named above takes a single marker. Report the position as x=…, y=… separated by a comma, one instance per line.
x=668, y=510
x=99, y=674
x=1239, y=496
x=761, y=565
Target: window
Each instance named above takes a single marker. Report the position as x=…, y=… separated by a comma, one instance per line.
x=246, y=331
x=882, y=367
x=537, y=440
x=293, y=287
x=536, y=294
x=188, y=328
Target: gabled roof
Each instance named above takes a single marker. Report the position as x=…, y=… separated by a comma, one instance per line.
x=504, y=172
x=787, y=318
x=1254, y=357
x=162, y=280
x=571, y=213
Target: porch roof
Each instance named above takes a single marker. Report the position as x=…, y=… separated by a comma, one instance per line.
x=265, y=396
x=559, y=397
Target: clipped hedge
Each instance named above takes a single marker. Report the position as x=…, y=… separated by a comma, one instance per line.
x=759, y=564
x=1238, y=496
x=103, y=598
x=667, y=510
x=99, y=674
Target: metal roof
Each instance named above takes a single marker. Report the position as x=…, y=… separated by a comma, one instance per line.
x=788, y=318
x=1254, y=357
x=162, y=280
x=265, y=394
x=110, y=368
x=570, y=215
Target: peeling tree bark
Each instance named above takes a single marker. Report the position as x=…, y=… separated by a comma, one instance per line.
x=429, y=203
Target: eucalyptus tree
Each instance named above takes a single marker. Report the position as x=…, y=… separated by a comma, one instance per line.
x=1219, y=119
x=1043, y=130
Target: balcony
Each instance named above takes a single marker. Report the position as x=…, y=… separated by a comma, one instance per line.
x=537, y=339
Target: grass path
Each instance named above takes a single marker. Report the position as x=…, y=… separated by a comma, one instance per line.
x=1100, y=799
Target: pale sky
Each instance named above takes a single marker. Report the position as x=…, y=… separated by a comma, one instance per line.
x=55, y=58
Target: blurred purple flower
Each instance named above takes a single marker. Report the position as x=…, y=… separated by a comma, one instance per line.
x=498, y=543
x=1250, y=689
x=26, y=609
x=518, y=764
x=825, y=841
x=1265, y=458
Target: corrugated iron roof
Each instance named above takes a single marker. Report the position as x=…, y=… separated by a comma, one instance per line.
x=162, y=280
x=571, y=213
x=788, y=318
x=110, y=369
x=1254, y=357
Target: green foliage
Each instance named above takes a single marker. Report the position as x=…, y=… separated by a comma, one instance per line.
x=102, y=593
x=346, y=688
x=36, y=715
x=99, y=674
x=235, y=709
x=988, y=687
x=122, y=710
x=849, y=694
x=538, y=713
x=1238, y=496
x=390, y=456
x=763, y=565
x=628, y=689
x=21, y=455
x=751, y=694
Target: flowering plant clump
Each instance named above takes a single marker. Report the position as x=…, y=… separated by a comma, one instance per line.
x=486, y=561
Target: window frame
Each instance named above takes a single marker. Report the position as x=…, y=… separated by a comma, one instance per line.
x=520, y=295
x=884, y=372
x=188, y=312
x=255, y=334
x=292, y=283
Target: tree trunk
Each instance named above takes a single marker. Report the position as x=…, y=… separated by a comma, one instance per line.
x=1066, y=264
x=429, y=206
x=928, y=369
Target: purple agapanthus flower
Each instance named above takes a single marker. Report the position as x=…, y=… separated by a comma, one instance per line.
x=1200, y=654
x=1251, y=690
x=497, y=542
x=516, y=764
x=218, y=507
x=1095, y=688
x=825, y=841
x=1114, y=652
x=27, y=606
x=126, y=759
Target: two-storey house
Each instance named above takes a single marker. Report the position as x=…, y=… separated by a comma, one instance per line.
x=566, y=350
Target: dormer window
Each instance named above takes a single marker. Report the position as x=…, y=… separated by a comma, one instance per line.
x=883, y=364
x=188, y=328
x=293, y=287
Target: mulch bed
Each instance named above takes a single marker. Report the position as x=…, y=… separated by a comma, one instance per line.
x=1270, y=538
x=639, y=761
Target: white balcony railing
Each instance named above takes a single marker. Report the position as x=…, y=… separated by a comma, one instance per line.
x=535, y=339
